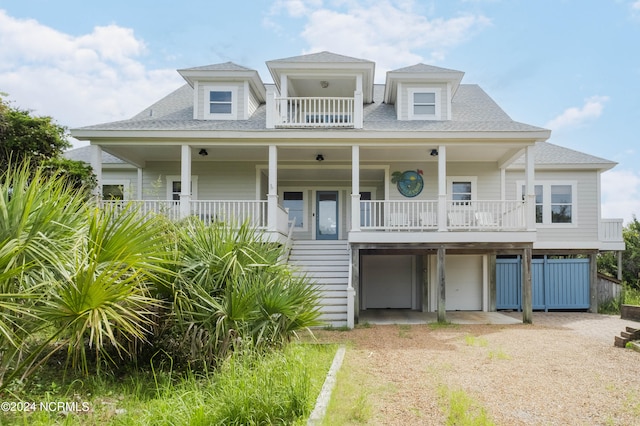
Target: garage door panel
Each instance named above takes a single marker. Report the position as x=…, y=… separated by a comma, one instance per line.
x=463, y=282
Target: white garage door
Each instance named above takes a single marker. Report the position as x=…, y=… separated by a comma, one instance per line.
x=463, y=286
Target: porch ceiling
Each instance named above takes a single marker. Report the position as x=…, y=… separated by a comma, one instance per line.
x=139, y=155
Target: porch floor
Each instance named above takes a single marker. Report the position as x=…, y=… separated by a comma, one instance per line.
x=407, y=316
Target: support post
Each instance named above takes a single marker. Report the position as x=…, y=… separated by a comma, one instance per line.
x=272, y=194
x=529, y=170
x=353, y=289
x=355, y=188
x=593, y=283
x=96, y=165
x=527, y=293
x=442, y=188
x=442, y=310
x=493, y=286
x=185, y=184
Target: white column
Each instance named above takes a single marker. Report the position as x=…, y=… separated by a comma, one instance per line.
x=355, y=188
x=442, y=188
x=139, y=194
x=185, y=178
x=529, y=170
x=272, y=194
x=358, y=107
x=96, y=165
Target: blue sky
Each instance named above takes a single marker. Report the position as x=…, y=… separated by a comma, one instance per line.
x=569, y=65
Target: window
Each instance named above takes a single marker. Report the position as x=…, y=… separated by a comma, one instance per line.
x=115, y=189
x=112, y=192
x=554, y=202
x=424, y=104
x=365, y=209
x=462, y=189
x=294, y=201
x=561, y=202
x=220, y=102
x=174, y=188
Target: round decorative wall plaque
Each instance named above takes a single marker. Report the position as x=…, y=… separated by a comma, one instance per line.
x=409, y=183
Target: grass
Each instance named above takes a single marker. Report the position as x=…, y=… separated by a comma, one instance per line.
x=274, y=388
x=630, y=296
x=351, y=399
x=403, y=331
x=461, y=409
x=471, y=340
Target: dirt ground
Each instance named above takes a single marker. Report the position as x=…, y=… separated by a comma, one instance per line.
x=563, y=370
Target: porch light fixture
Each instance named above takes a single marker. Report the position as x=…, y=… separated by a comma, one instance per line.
x=203, y=152
x=319, y=157
x=324, y=84
x=434, y=153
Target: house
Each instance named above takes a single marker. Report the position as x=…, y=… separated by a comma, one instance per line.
x=420, y=193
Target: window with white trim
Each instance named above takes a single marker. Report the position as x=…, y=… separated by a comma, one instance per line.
x=462, y=189
x=174, y=188
x=555, y=202
x=115, y=189
x=220, y=102
x=295, y=202
x=424, y=104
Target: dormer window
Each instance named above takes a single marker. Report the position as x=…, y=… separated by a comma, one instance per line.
x=221, y=102
x=424, y=104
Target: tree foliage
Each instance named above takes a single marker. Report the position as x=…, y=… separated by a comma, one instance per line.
x=608, y=263
x=40, y=142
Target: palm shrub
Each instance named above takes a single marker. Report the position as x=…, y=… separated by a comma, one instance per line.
x=233, y=293
x=103, y=300
x=39, y=220
x=73, y=274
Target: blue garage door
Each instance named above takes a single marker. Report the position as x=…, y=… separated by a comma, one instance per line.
x=556, y=283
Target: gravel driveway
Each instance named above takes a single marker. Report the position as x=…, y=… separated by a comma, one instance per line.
x=563, y=370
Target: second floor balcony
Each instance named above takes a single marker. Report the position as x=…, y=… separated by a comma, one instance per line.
x=314, y=112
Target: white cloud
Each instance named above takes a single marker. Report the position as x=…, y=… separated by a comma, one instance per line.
x=576, y=116
x=621, y=194
x=73, y=79
x=392, y=34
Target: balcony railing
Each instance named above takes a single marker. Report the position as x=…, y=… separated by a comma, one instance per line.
x=611, y=230
x=314, y=112
x=460, y=215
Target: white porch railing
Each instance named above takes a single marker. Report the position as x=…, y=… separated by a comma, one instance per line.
x=461, y=215
x=168, y=208
x=314, y=112
x=611, y=230
x=253, y=211
x=396, y=215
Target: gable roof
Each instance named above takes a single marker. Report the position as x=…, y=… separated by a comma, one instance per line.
x=323, y=56
x=420, y=73
x=225, y=66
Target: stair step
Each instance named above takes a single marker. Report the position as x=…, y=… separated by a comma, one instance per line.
x=632, y=330
x=620, y=342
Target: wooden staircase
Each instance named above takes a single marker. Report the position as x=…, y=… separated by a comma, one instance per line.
x=326, y=263
x=630, y=334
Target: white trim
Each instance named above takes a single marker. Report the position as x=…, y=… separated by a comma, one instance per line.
x=176, y=178
x=546, y=202
x=220, y=88
x=438, y=107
